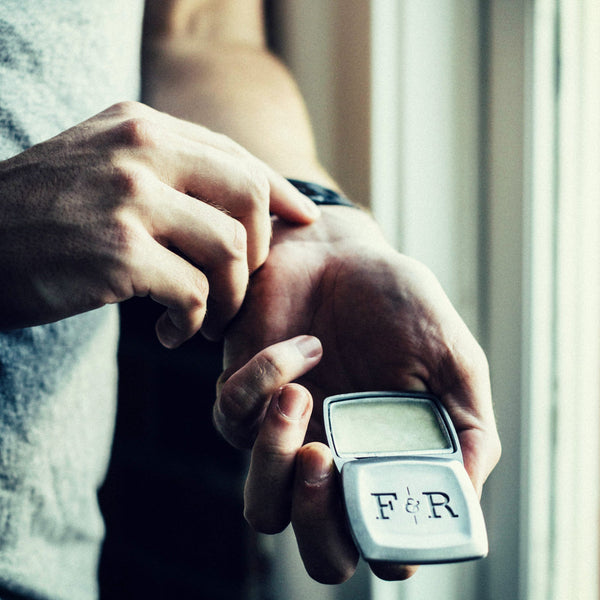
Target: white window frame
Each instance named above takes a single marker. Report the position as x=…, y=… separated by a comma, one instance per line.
x=535, y=297
x=575, y=524
x=545, y=366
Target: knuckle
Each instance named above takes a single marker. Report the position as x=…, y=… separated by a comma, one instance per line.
x=120, y=248
x=119, y=287
x=137, y=132
x=223, y=379
x=200, y=287
x=219, y=419
x=472, y=362
x=228, y=428
x=122, y=239
x=126, y=181
x=258, y=189
x=239, y=240
x=422, y=270
x=233, y=402
x=234, y=242
x=267, y=368
x=470, y=353
x=127, y=108
x=260, y=257
x=236, y=415
x=277, y=451
x=461, y=362
x=480, y=360
x=198, y=290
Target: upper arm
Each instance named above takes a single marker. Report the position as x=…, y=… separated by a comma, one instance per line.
x=206, y=21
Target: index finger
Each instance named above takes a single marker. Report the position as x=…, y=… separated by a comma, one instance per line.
x=243, y=397
x=285, y=200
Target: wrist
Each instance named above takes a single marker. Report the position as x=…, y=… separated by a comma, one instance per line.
x=338, y=229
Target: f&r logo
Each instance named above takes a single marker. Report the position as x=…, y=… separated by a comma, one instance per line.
x=436, y=505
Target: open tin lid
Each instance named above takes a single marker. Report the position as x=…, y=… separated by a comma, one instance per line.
x=408, y=497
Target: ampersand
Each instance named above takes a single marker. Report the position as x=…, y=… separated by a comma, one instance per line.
x=412, y=505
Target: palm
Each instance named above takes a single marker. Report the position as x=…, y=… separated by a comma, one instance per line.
x=377, y=315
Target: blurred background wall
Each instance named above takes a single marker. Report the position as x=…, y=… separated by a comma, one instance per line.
x=327, y=47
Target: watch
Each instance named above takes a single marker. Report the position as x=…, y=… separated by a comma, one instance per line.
x=320, y=195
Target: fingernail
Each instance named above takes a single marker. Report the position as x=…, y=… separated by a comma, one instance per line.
x=168, y=333
x=316, y=468
x=309, y=346
x=292, y=404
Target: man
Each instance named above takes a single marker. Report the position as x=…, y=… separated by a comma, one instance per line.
x=91, y=217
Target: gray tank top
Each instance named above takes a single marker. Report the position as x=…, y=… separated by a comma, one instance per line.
x=61, y=61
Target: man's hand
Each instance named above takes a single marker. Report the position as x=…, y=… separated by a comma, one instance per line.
x=384, y=324
x=110, y=209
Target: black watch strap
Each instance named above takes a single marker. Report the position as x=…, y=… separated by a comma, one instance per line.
x=319, y=194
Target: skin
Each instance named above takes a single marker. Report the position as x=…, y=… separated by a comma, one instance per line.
x=140, y=201
x=110, y=209
x=377, y=319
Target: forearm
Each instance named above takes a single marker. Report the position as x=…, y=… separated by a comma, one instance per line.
x=238, y=88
